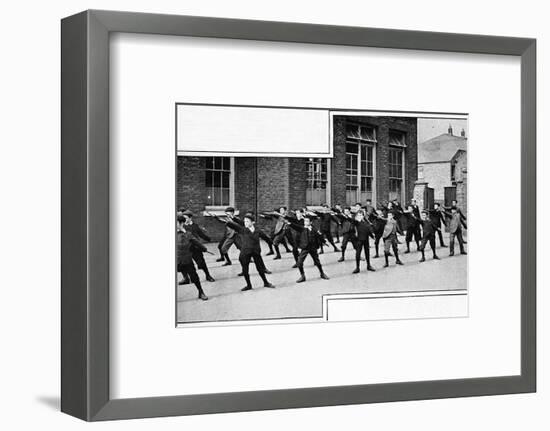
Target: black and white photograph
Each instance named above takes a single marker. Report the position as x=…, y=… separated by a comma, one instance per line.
x=290, y=214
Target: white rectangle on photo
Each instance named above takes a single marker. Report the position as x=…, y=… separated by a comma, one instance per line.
x=252, y=131
x=395, y=305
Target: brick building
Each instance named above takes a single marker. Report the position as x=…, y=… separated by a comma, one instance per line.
x=374, y=157
x=442, y=163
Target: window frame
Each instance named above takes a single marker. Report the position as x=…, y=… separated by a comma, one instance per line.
x=220, y=209
x=367, y=143
x=328, y=188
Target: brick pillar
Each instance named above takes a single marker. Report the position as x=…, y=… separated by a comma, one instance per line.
x=462, y=192
x=419, y=193
x=338, y=172
x=382, y=158
x=273, y=183
x=297, y=182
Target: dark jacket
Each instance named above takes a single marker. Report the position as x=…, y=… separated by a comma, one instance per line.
x=197, y=231
x=186, y=245
x=428, y=228
x=363, y=230
x=410, y=221
x=325, y=219
x=437, y=217
x=348, y=227
x=280, y=224
x=308, y=239
x=250, y=241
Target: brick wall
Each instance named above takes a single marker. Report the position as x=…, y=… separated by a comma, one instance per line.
x=246, y=184
x=297, y=175
x=462, y=191
x=338, y=174
x=383, y=125
x=273, y=183
x=438, y=176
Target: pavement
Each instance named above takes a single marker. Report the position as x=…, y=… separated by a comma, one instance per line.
x=289, y=300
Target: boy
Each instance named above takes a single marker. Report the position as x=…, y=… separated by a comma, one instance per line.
x=390, y=238
x=229, y=238
x=428, y=235
x=250, y=249
x=198, y=232
x=363, y=230
x=437, y=217
x=412, y=226
x=308, y=240
x=280, y=231
x=185, y=244
x=348, y=231
x=455, y=228
x=326, y=217
x=378, y=225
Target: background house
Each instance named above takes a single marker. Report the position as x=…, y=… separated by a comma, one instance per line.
x=442, y=166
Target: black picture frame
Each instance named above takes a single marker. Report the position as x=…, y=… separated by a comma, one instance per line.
x=85, y=214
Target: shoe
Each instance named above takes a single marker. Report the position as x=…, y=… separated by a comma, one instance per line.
x=277, y=257
x=220, y=259
x=203, y=296
x=270, y=253
x=398, y=262
x=408, y=251
x=444, y=245
x=244, y=289
x=463, y=252
x=269, y=285
x=240, y=274
x=337, y=250
x=341, y=259
x=356, y=271
x=436, y=257
x=321, y=252
x=422, y=260
x=210, y=279
x=451, y=254
x=337, y=241
x=226, y=264
x=324, y=276
x=370, y=268
x=386, y=265
x=183, y=282
x=301, y=279
x=295, y=266
x=377, y=255
x=267, y=271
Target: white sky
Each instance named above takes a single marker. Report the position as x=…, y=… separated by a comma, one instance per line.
x=431, y=127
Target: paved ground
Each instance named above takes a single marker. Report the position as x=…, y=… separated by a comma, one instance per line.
x=288, y=299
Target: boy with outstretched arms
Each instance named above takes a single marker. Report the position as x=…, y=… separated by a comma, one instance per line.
x=363, y=231
x=428, y=235
x=186, y=243
x=348, y=231
x=309, y=240
x=389, y=236
x=250, y=248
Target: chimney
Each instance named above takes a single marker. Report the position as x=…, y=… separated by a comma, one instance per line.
x=450, y=130
x=463, y=133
